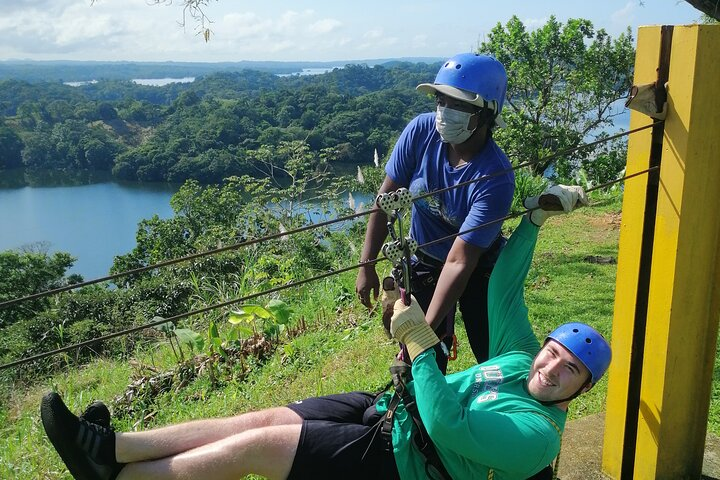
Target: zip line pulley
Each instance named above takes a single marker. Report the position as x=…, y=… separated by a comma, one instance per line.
x=401, y=249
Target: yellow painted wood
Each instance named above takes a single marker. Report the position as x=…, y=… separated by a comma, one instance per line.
x=633, y=209
x=684, y=303
x=683, y=313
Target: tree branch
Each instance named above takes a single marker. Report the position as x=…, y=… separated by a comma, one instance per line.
x=711, y=8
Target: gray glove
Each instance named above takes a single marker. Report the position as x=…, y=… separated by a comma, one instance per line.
x=554, y=201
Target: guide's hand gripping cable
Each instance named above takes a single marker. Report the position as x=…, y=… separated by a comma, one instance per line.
x=402, y=247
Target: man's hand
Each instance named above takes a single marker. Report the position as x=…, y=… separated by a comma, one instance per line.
x=390, y=295
x=554, y=201
x=408, y=326
x=367, y=281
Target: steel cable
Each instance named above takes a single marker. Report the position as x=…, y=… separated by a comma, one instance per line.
x=312, y=226
x=180, y=316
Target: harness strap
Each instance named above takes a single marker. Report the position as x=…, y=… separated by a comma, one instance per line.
x=434, y=467
x=387, y=421
x=556, y=463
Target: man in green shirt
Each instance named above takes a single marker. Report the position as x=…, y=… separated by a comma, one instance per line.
x=500, y=419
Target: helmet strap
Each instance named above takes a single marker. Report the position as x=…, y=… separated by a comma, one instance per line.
x=485, y=116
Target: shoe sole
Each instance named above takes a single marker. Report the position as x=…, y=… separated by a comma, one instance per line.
x=78, y=465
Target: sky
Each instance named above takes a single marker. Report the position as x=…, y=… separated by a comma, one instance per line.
x=298, y=30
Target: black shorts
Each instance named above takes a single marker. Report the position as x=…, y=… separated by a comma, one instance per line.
x=340, y=438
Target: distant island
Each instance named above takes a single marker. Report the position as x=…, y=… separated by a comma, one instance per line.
x=83, y=71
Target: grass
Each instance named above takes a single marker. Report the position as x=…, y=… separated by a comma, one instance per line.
x=344, y=349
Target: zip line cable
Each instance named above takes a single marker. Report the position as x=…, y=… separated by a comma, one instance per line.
x=274, y=236
x=186, y=258
x=513, y=215
x=251, y=296
x=533, y=162
x=180, y=316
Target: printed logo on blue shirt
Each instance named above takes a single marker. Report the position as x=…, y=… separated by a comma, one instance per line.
x=432, y=204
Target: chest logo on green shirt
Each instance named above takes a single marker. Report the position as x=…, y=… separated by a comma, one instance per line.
x=487, y=382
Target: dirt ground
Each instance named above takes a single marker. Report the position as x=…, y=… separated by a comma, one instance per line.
x=581, y=455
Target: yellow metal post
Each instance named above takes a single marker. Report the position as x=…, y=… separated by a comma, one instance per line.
x=684, y=297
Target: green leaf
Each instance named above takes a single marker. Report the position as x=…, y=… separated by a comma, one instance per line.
x=280, y=310
x=213, y=332
x=244, y=330
x=257, y=310
x=248, y=313
x=233, y=334
x=165, y=328
x=191, y=338
x=239, y=317
x=271, y=330
x=218, y=347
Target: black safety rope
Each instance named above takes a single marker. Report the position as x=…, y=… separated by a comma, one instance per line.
x=180, y=316
x=274, y=236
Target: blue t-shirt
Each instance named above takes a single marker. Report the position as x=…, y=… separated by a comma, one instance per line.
x=419, y=162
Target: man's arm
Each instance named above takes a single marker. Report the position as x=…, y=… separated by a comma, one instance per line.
x=367, y=279
x=466, y=250
x=459, y=266
x=509, y=327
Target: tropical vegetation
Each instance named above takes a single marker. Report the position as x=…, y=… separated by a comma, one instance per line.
x=256, y=152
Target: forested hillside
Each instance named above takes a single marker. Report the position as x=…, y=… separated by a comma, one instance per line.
x=209, y=129
x=257, y=151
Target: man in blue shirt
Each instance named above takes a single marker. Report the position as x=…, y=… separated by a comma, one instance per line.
x=438, y=150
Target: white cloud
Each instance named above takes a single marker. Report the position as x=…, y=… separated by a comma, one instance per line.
x=533, y=23
x=326, y=25
x=373, y=34
x=73, y=27
x=420, y=41
x=625, y=15
x=105, y=31
x=241, y=25
x=292, y=30
x=263, y=30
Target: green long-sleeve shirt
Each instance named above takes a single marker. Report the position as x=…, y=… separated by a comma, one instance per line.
x=482, y=421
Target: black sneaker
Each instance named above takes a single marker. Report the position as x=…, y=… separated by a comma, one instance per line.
x=97, y=413
x=80, y=444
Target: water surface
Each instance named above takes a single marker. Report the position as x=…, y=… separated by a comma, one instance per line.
x=93, y=222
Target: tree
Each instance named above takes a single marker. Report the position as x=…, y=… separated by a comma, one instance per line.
x=28, y=272
x=10, y=148
x=708, y=7
x=562, y=83
x=39, y=151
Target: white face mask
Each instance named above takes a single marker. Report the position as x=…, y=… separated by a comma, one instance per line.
x=452, y=125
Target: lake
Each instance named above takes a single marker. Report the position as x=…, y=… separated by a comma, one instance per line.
x=92, y=217
x=161, y=82
x=93, y=222
x=87, y=215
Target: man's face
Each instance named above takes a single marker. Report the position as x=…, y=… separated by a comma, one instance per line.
x=449, y=102
x=556, y=373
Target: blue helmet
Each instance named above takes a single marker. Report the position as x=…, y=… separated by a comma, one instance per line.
x=477, y=79
x=587, y=344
